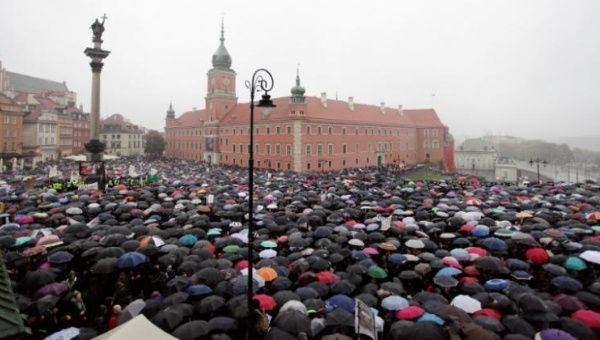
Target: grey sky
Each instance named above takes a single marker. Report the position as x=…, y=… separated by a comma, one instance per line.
x=520, y=67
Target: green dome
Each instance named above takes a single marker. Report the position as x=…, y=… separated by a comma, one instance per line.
x=297, y=90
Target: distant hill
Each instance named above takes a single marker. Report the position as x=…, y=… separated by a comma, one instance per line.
x=585, y=142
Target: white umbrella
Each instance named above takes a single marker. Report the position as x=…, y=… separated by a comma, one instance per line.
x=592, y=256
x=415, y=244
x=267, y=254
x=293, y=305
x=67, y=333
x=466, y=303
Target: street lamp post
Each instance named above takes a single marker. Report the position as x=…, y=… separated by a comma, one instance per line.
x=537, y=162
x=262, y=80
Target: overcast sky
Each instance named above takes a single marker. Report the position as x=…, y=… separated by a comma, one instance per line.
x=519, y=67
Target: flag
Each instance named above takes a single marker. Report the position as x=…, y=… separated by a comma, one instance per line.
x=152, y=176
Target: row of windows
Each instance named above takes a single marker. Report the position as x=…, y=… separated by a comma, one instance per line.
x=435, y=144
x=310, y=129
x=8, y=132
x=430, y=132
x=45, y=141
x=10, y=119
x=47, y=127
x=9, y=146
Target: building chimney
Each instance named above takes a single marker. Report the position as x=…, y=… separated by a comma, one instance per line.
x=324, y=99
x=401, y=109
x=382, y=107
x=351, y=103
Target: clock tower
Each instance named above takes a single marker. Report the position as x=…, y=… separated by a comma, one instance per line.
x=220, y=96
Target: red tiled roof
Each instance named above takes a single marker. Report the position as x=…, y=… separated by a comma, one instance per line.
x=339, y=111
x=191, y=118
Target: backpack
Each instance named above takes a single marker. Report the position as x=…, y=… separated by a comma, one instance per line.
x=262, y=322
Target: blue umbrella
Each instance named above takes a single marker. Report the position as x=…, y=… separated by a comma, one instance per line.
x=496, y=284
x=495, y=244
x=130, y=260
x=481, y=231
x=394, y=303
x=566, y=283
x=322, y=232
x=60, y=257
x=196, y=290
x=448, y=271
x=432, y=318
x=397, y=258
x=342, y=301
x=188, y=240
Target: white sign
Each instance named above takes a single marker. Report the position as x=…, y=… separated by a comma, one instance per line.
x=364, y=320
x=386, y=223
x=210, y=199
x=90, y=186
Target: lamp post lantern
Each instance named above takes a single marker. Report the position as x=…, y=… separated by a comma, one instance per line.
x=537, y=162
x=262, y=81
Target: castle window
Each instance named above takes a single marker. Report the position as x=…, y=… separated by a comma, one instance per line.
x=289, y=130
x=319, y=149
x=268, y=130
x=277, y=149
x=330, y=149
x=330, y=130
x=308, y=149
x=288, y=149
x=268, y=149
x=277, y=130
x=319, y=130
x=344, y=148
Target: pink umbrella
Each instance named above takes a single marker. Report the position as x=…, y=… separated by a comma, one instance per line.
x=370, y=251
x=48, y=239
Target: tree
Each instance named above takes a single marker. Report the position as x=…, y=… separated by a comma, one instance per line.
x=155, y=144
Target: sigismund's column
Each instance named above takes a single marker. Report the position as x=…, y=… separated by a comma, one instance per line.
x=95, y=147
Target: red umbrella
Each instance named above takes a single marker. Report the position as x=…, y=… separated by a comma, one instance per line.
x=34, y=251
x=468, y=279
x=489, y=312
x=48, y=239
x=266, y=302
x=569, y=303
x=241, y=264
x=326, y=277
x=471, y=270
x=477, y=251
x=410, y=313
x=537, y=255
x=588, y=317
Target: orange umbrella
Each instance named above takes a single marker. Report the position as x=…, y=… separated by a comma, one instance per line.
x=267, y=273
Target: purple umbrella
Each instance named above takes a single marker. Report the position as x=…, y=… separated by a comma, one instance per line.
x=56, y=289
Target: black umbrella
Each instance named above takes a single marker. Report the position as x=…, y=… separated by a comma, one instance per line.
x=576, y=328
x=423, y=297
x=175, y=298
x=193, y=330
x=284, y=296
x=491, y=264
x=515, y=324
x=367, y=298
x=222, y=323
x=36, y=279
x=342, y=287
x=45, y=303
x=104, y=266
x=277, y=334
x=423, y=331
x=293, y=322
x=307, y=293
x=210, y=304
x=209, y=276
x=531, y=303
x=489, y=323
x=339, y=317
x=281, y=283
x=237, y=307
x=178, y=283
x=168, y=319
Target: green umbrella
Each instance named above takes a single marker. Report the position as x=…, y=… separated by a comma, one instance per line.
x=231, y=249
x=377, y=272
x=575, y=263
x=22, y=241
x=214, y=232
x=268, y=244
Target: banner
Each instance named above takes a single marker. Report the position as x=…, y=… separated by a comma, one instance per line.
x=89, y=186
x=386, y=223
x=364, y=320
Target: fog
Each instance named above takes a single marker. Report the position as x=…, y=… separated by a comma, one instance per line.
x=524, y=68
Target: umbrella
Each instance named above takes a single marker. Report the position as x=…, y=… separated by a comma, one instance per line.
x=45, y=303
x=342, y=301
x=64, y=334
x=409, y=313
x=198, y=290
x=537, y=255
x=56, y=288
x=339, y=317
x=293, y=322
x=554, y=334
x=60, y=257
x=488, y=323
x=588, y=317
x=131, y=311
x=569, y=303
x=210, y=304
x=377, y=272
x=566, y=283
x=448, y=271
x=415, y=244
x=491, y=264
x=326, y=277
x=267, y=273
x=394, y=303
x=39, y=278
x=188, y=240
x=192, y=330
x=266, y=302
x=32, y=251
x=284, y=296
x=515, y=324
x=104, y=266
x=574, y=263
x=466, y=303
x=445, y=281
x=168, y=319
x=298, y=306
x=592, y=256
x=130, y=260
x=452, y=313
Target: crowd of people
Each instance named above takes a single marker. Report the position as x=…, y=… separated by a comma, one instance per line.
x=447, y=259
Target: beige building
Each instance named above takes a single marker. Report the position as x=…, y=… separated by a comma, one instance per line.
x=122, y=138
x=64, y=134
x=477, y=157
